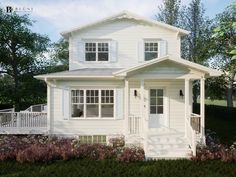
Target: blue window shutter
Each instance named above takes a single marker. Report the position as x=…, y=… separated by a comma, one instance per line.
x=119, y=103
x=81, y=51
x=113, y=50
x=140, y=50
x=163, y=48
x=66, y=103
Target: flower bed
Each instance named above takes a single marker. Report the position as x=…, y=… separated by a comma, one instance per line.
x=214, y=150
x=36, y=148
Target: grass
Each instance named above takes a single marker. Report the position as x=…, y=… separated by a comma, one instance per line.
x=218, y=102
x=108, y=168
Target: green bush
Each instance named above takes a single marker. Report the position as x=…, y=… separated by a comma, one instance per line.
x=218, y=112
x=112, y=168
x=221, y=120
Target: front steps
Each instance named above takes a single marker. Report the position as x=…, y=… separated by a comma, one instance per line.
x=162, y=143
x=166, y=144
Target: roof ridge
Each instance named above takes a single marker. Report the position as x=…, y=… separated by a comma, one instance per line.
x=128, y=15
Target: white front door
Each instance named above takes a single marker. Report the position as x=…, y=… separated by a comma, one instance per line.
x=156, y=108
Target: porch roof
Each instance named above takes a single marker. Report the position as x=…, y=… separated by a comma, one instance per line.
x=81, y=73
x=206, y=70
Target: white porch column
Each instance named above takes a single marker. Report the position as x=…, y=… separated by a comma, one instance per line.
x=126, y=107
x=186, y=103
x=202, y=108
x=142, y=113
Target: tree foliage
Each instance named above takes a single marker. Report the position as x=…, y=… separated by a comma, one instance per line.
x=224, y=48
x=21, y=57
x=60, y=53
x=169, y=12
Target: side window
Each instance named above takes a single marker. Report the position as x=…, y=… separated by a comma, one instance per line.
x=97, y=51
x=150, y=50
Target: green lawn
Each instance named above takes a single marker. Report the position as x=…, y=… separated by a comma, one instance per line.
x=109, y=168
x=218, y=102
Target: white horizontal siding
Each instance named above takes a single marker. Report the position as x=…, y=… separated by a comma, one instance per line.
x=176, y=105
x=82, y=126
x=127, y=33
x=88, y=127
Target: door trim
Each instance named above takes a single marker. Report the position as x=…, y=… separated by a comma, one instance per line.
x=165, y=103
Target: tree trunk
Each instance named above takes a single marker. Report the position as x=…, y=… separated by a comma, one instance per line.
x=230, y=86
x=230, y=95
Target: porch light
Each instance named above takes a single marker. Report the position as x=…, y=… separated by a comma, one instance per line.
x=135, y=93
x=181, y=93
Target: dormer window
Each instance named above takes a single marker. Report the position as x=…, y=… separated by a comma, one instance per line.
x=97, y=51
x=150, y=50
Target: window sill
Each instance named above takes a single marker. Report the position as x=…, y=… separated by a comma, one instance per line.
x=96, y=62
x=90, y=118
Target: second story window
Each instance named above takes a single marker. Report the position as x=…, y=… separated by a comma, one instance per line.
x=150, y=50
x=96, y=51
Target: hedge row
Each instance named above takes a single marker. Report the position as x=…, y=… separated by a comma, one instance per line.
x=218, y=112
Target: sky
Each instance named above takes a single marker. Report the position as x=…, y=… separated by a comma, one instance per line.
x=55, y=16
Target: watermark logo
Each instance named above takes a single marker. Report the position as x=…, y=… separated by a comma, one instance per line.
x=10, y=9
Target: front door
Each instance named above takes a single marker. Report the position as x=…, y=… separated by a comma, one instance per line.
x=156, y=108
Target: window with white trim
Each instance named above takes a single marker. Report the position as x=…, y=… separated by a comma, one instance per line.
x=90, y=139
x=96, y=51
x=107, y=103
x=77, y=101
x=97, y=103
x=92, y=104
x=150, y=50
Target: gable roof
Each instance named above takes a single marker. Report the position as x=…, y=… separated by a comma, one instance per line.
x=125, y=15
x=201, y=68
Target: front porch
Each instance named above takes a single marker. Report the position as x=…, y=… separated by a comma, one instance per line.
x=170, y=138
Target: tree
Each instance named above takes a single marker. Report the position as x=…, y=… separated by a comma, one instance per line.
x=60, y=54
x=224, y=49
x=20, y=51
x=194, y=20
x=169, y=12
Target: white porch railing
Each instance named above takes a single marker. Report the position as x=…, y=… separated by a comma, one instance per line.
x=8, y=110
x=191, y=136
x=15, y=122
x=134, y=124
x=37, y=108
x=195, y=121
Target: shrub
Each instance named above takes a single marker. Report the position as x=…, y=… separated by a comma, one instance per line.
x=216, y=152
x=132, y=155
x=37, y=153
x=117, y=141
x=95, y=151
x=33, y=149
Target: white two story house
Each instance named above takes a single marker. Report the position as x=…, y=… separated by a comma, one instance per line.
x=126, y=77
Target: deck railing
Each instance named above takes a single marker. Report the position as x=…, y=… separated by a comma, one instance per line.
x=8, y=110
x=37, y=108
x=195, y=122
x=191, y=136
x=23, y=120
x=134, y=124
